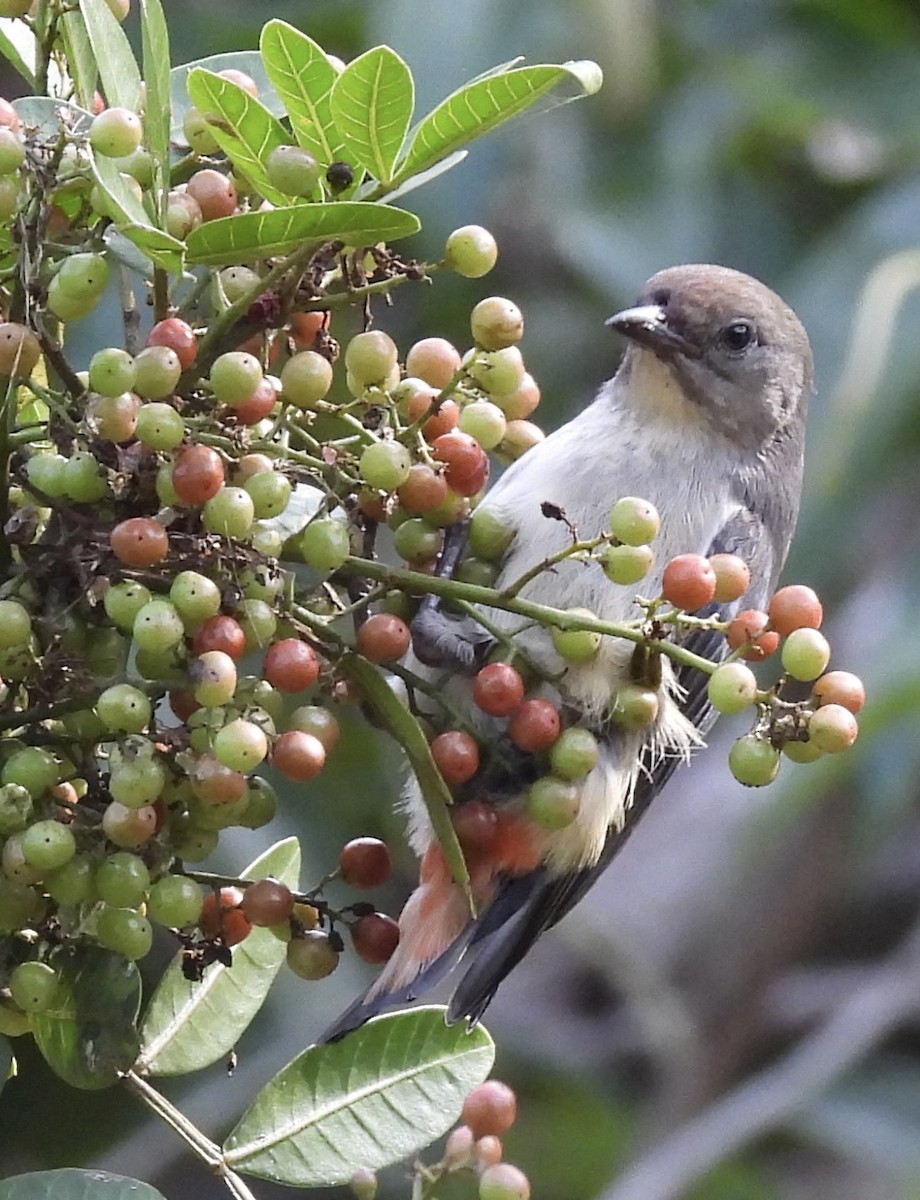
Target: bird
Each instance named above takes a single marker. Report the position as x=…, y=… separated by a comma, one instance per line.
x=704, y=418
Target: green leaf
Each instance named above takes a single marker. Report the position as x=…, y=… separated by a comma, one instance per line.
x=303, y=77
x=246, y=237
x=131, y=218
x=375, y=1097
x=47, y=115
x=486, y=103
x=245, y=130
x=249, y=61
x=88, y=1034
x=10, y=52
x=81, y=62
x=402, y=725
x=372, y=102
x=69, y=1183
x=121, y=80
x=155, y=43
x=189, y=1025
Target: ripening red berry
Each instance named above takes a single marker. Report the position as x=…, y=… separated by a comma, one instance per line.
x=139, y=542
x=688, y=582
x=220, y=633
x=466, y=464
x=197, y=474
x=832, y=728
x=214, y=192
x=221, y=915
x=498, y=689
x=733, y=576
x=303, y=327
x=267, y=902
x=476, y=825
x=298, y=756
x=534, y=725
x=290, y=665
x=751, y=626
x=490, y=1109
x=423, y=490
x=375, y=936
x=178, y=336
x=383, y=638
x=365, y=862
x=841, y=687
x=456, y=756
x=795, y=607
x=440, y=422
x=257, y=406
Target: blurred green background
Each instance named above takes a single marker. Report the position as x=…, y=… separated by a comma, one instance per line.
x=730, y=1015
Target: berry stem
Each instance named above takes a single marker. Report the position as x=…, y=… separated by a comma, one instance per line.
x=200, y=1145
x=576, y=549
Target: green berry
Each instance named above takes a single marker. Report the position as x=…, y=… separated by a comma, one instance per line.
x=574, y=754
x=124, y=930
x=634, y=521
x=553, y=803
x=32, y=986
x=122, y=880
x=471, y=251
x=805, y=654
x=175, y=901
x=732, y=688
x=325, y=544
x=47, y=845
x=753, y=760
x=625, y=564
x=576, y=645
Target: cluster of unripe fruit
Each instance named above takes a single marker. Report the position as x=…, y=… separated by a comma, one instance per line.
x=474, y=1146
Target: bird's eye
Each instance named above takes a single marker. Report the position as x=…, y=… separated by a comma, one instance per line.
x=737, y=336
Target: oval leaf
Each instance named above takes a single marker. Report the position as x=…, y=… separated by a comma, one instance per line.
x=81, y=62
x=69, y=1183
x=373, y=1098
x=121, y=80
x=155, y=43
x=131, y=218
x=249, y=61
x=482, y=105
x=244, y=129
x=303, y=76
x=372, y=103
x=245, y=237
x=189, y=1025
x=88, y=1034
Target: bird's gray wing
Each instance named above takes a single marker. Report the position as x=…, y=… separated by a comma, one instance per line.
x=525, y=906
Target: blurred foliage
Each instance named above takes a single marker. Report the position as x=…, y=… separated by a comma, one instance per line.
x=781, y=137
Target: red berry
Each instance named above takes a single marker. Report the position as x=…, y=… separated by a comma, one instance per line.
x=440, y=422
x=221, y=915
x=534, y=725
x=304, y=326
x=733, y=576
x=688, y=582
x=365, y=862
x=197, y=474
x=290, y=665
x=257, y=406
x=749, y=626
x=220, y=633
x=795, y=607
x=214, y=192
x=267, y=902
x=178, y=336
x=498, y=689
x=423, y=490
x=456, y=756
x=466, y=464
x=375, y=936
x=841, y=687
x=490, y=1109
x=383, y=638
x=476, y=825
x=298, y=756
x=139, y=542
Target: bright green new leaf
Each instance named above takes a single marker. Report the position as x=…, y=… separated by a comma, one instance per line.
x=247, y=61
x=373, y=1098
x=189, y=1025
x=132, y=220
x=71, y=1183
x=88, y=1035
x=155, y=42
x=246, y=237
x=302, y=75
x=245, y=130
x=486, y=103
x=118, y=71
x=372, y=102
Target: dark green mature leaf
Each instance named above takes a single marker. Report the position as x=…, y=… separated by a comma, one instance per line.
x=121, y=80
x=190, y=1025
x=155, y=43
x=88, y=1035
x=69, y=1183
x=486, y=103
x=372, y=102
x=245, y=130
x=369, y=1100
x=81, y=61
x=246, y=237
x=11, y=53
x=303, y=77
x=132, y=220
x=249, y=61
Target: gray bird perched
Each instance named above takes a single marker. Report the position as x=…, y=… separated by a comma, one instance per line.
x=704, y=418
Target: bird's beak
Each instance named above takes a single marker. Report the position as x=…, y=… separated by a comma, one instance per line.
x=648, y=325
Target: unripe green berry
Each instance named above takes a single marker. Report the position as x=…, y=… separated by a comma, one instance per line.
x=471, y=251
x=576, y=645
x=626, y=565
x=805, y=654
x=753, y=760
x=732, y=687
x=634, y=521
x=32, y=986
